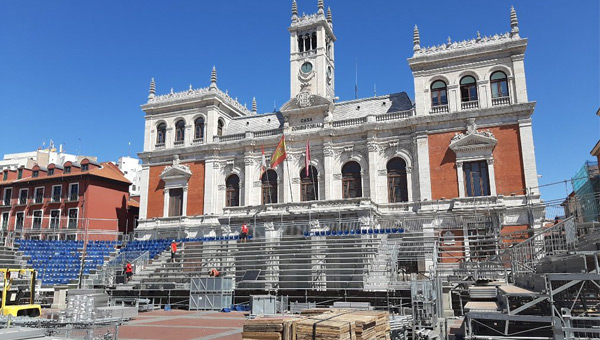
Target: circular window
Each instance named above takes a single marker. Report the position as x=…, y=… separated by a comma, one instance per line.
x=306, y=67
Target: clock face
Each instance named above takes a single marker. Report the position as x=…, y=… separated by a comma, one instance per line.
x=306, y=67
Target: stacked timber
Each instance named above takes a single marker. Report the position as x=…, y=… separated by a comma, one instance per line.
x=321, y=324
x=270, y=328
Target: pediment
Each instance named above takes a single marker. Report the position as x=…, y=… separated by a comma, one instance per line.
x=177, y=171
x=306, y=101
x=477, y=140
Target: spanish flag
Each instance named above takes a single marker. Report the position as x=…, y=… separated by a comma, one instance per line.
x=279, y=154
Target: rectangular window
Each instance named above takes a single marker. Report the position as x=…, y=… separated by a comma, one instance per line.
x=37, y=219
x=176, y=202
x=5, y=216
x=54, y=219
x=50, y=172
x=19, y=220
x=67, y=170
x=477, y=180
x=5, y=176
x=73, y=191
x=39, y=195
x=7, y=196
x=19, y=173
x=73, y=218
x=85, y=167
x=56, y=192
x=23, y=196
x=35, y=174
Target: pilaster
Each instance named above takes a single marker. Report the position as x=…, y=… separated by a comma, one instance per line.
x=373, y=161
x=166, y=202
x=249, y=178
x=328, y=170
x=422, y=142
x=528, y=152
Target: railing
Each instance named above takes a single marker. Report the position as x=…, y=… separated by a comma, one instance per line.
x=229, y=138
x=500, y=101
x=178, y=143
x=73, y=197
x=22, y=200
x=350, y=122
x=439, y=109
x=159, y=146
x=473, y=104
x=55, y=199
x=198, y=141
x=394, y=115
x=139, y=261
x=266, y=133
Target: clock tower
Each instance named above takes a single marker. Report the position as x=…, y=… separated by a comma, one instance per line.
x=311, y=53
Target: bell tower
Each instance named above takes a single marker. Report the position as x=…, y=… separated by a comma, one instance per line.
x=312, y=63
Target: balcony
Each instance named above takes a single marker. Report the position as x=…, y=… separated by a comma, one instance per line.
x=439, y=109
x=55, y=199
x=473, y=104
x=22, y=200
x=159, y=146
x=178, y=143
x=73, y=198
x=38, y=200
x=500, y=101
x=198, y=141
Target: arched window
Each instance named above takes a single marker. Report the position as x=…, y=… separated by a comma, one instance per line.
x=351, y=180
x=468, y=89
x=269, y=187
x=220, y=125
x=438, y=93
x=233, y=191
x=179, y=131
x=397, y=184
x=161, y=133
x=499, y=84
x=309, y=184
x=199, y=129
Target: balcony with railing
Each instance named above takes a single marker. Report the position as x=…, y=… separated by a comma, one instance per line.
x=159, y=146
x=178, y=143
x=55, y=198
x=439, y=109
x=469, y=105
x=22, y=200
x=198, y=141
x=501, y=101
x=73, y=197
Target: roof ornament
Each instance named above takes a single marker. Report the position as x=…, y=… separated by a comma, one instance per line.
x=152, y=93
x=294, y=11
x=254, y=105
x=321, y=7
x=329, y=17
x=416, y=39
x=449, y=41
x=514, y=23
x=478, y=36
x=213, y=78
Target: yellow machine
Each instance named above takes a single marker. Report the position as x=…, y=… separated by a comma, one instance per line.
x=18, y=292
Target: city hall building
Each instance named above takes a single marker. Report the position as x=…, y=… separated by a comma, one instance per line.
x=458, y=159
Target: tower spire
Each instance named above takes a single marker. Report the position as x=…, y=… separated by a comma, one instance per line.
x=152, y=91
x=294, y=11
x=254, y=105
x=416, y=39
x=213, y=78
x=514, y=23
x=329, y=17
x=321, y=6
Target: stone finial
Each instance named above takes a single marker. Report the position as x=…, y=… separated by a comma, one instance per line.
x=152, y=92
x=329, y=17
x=254, y=105
x=294, y=10
x=449, y=41
x=416, y=39
x=321, y=6
x=478, y=36
x=514, y=23
x=213, y=77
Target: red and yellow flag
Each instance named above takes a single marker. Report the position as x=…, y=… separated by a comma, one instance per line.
x=279, y=154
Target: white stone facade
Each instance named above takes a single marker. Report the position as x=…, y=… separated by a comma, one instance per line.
x=132, y=170
x=370, y=132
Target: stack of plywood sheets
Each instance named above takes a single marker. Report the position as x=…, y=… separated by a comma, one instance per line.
x=382, y=323
x=326, y=326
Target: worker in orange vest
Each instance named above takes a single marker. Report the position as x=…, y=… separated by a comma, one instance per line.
x=214, y=273
x=244, y=232
x=128, y=271
x=173, y=250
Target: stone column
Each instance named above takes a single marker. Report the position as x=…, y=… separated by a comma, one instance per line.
x=528, y=152
x=249, y=178
x=520, y=86
x=483, y=94
x=492, y=176
x=328, y=171
x=210, y=187
x=422, y=144
x=166, y=203
x=373, y=162
x=453, y=98
x=461, y=179
x=185, y=201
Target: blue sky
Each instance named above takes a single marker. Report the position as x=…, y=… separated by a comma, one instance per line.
x=78, y=71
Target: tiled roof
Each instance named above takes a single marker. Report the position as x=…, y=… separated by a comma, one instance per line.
x=372, y=106
x=107, y=170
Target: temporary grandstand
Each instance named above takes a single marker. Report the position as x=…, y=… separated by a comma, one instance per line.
x=480, y=284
